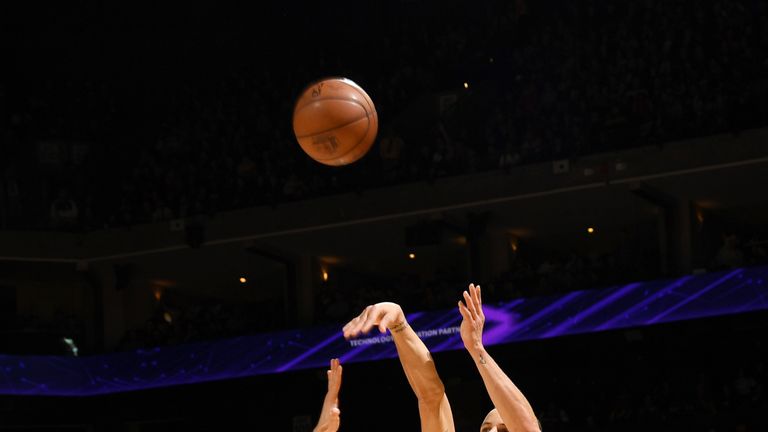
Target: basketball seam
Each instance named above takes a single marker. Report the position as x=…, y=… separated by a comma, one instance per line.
x=370, y=105
x=298, y=108
x=333, y=128
x=367, y=128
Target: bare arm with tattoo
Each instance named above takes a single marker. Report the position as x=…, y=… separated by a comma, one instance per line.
x=513, y=408
x=419, y=368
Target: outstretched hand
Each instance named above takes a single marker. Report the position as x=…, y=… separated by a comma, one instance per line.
x=330, y=416
x=474, y=319
x=384, y=315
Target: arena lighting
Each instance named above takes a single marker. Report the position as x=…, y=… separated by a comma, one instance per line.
x=325, y=275
x=466, y=85
x=591, y=230
x=624, y=306
x=70, y=343
x=412, y=255
x=513, y=244
x=243, y=280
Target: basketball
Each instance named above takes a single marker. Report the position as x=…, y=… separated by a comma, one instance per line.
x=335, y=121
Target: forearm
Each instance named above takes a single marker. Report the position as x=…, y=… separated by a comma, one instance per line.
x=512, y=405
x=434, y=408
x=418, y=364
x=419, y=368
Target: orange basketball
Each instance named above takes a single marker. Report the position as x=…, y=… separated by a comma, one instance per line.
x=335, y=121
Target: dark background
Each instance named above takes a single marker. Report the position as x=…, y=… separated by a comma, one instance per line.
x=148, y=163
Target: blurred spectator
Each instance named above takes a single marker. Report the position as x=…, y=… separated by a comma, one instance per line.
x=64, y=212
x=588, y=77
x=729, y=255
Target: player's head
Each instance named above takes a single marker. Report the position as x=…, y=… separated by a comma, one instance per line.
x=493, y=423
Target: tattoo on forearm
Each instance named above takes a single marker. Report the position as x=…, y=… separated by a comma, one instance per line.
x=399, y=327
x=482, y=359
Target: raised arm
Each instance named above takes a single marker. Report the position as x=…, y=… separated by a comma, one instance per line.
x=330, y=416
x=434, y=409
x=512, y=405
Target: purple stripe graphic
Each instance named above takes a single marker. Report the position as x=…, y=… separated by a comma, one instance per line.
x=522, y=319
x=694, y=296
x=639, y=306
x=558, y=304
x=559, y=330
x=289, y=365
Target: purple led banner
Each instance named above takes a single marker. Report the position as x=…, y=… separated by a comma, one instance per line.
x=631, y=305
